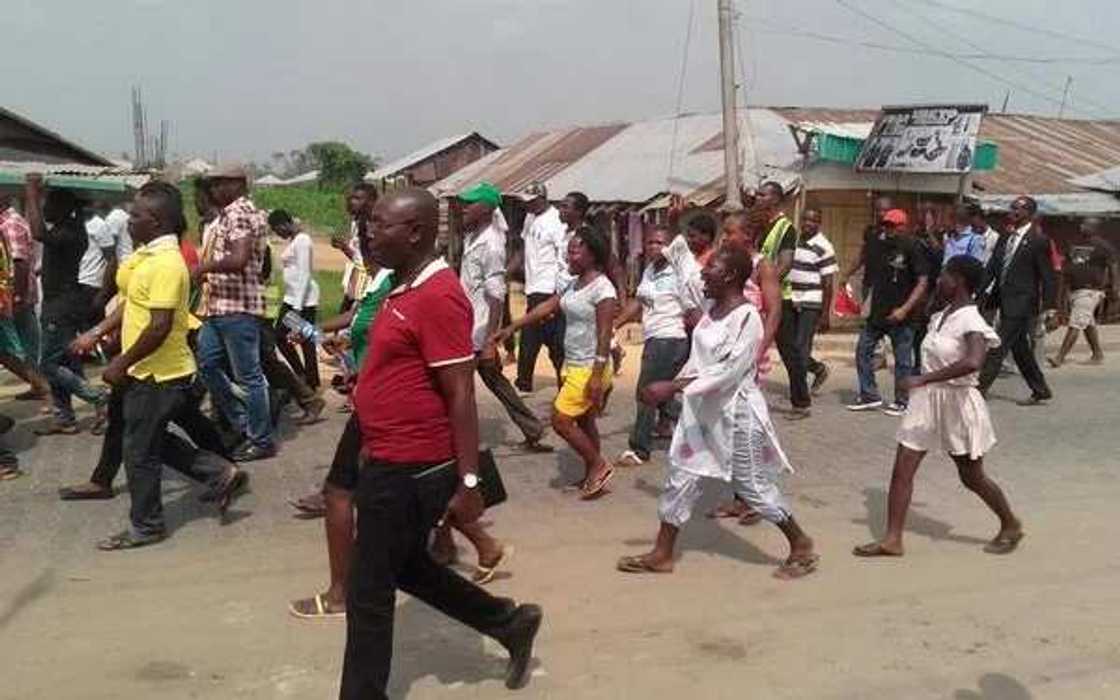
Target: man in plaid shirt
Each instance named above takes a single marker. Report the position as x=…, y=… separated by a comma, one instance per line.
x=232, y=302
x=17, y=234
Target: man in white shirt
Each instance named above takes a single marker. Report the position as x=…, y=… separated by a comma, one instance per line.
x=543, y=236
x=359, y=203
x=483, y=276
x=98, y=267
x=980, y=225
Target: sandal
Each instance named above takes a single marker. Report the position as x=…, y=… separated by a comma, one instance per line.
x=594, y=489
x=315, y=608
x=57, y=428
x=485, y=574
x=1004, y=543
x=799, y=567
x=735, y=509
x=313, y=506
x=85, y=492
x=7, y=473
x=874, y=549
x=639, y=565
x=125, y=540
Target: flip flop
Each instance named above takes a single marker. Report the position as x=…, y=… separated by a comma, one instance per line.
x=125, y=540
x=320, y=609
x=1004, y=544
x=874, y=549
x=9, y=473
x=55, y=428
x=638, y=565
x=733, y=510
x=485, y=574
x=308, y=508
x=751, y=517
x=69, y=493
x=797, y=568
x=595, y=489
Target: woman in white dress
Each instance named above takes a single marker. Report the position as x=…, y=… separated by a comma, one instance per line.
x=947, y=411
x=725, y=431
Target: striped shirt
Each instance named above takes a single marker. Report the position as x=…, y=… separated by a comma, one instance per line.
x=813, y=259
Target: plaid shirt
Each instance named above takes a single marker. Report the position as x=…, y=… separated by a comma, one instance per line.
x=225, y=293
x=17, y=234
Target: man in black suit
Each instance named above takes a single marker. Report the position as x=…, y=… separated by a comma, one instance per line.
x=1020, y=285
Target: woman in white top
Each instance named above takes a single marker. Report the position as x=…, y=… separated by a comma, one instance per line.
x=588, y=301
x=660, y=305
x=725, y=431
x=301, y=294
x=947, y=411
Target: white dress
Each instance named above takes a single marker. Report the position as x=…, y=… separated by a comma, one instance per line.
x=951, y=415
x=725, y=431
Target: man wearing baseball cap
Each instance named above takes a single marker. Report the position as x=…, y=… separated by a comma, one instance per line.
x=898, y=276
x=544, y=237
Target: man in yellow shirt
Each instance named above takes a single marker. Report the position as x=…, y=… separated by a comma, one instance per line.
x=155, y=367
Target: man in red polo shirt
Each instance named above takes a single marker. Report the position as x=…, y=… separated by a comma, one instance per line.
x=415, y=405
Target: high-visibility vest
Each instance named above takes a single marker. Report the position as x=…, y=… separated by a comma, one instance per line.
x=770, y=247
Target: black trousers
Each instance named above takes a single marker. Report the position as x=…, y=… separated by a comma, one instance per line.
x=549, y=334
x=491, y=373
x=174, y=451
x=347, y=455
x=795, y=345
x=279, y=375
x=148, y=408
x=307, y=366
x=396, y=512
x=1015, y=337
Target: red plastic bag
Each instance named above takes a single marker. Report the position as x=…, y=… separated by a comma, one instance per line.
x=845, y=304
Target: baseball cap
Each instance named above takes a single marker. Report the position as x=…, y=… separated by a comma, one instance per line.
x=897, y=217
x=535, y=190
x=484, y=192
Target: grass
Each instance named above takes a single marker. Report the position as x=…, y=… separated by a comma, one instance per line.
x=330, y=292
x=321, y=210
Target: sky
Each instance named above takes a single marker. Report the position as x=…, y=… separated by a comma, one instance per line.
x=244, y=78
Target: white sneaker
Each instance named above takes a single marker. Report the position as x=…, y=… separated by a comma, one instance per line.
x=863, y=404
x=629, y=458
x=895, y=409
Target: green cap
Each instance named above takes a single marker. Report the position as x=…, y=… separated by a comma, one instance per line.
x=482, y=192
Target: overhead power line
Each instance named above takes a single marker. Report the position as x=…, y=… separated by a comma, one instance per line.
x=776, y=28
x=949, y=56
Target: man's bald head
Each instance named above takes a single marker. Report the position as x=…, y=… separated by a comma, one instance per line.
x=421, y=206
x=402, y=229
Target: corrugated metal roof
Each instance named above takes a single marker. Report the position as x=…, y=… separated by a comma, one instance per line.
x=1105, y=180
x=23, y=140
x=1064, y=204
x=421, y=154
x=844, y=130
x=15, y=172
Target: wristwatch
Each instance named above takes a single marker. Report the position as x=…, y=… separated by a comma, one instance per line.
x=470, y=480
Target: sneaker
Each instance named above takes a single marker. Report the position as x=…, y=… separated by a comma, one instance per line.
x=895, y=409
x=798, y=413
x=865, y=404
x=819, y=378
x=253, y=453
x=629, y=458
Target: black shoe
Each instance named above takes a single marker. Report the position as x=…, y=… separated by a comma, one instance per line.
x=518, y=638
x=819, y=378
x=6, y=424
x=253, y=453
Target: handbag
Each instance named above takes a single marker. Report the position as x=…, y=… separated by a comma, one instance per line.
x=490, y=484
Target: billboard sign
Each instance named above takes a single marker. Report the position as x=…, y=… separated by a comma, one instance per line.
x=923, y=139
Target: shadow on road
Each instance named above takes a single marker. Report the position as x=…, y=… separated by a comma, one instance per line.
x=875, y=501
x=427, y=643
x=27, y=595
x=995, y=686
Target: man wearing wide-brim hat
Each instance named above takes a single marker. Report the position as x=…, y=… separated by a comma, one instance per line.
x=231, y=274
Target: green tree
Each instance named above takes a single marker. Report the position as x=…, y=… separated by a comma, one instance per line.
x=338, y=164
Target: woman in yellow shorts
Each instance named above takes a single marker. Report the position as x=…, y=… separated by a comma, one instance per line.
x=588, y=301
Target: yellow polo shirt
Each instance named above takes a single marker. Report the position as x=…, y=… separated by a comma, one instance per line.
x=155, y=276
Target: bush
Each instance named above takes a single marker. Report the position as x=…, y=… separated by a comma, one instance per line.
x=322, y=210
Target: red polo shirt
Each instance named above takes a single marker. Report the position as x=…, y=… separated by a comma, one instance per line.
x=402, y=414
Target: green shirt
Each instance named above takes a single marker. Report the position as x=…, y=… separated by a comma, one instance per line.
x=367, y=310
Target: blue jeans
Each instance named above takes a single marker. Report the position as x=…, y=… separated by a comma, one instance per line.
x=27, y=326
x=902, y=343
x=238, y=338
x=64, y=371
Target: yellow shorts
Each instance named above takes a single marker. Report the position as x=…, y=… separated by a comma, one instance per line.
x=572, y=400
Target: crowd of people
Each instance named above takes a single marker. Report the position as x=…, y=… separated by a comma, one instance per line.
x=239, y=325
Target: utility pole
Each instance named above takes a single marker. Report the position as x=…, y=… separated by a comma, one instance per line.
x=732, y=171
x=1065, y=96
x=1006, y=99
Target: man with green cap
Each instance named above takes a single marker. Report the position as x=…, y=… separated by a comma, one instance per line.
x=483, y=275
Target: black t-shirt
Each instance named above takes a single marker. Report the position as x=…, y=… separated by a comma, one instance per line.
x=894, y=263
x=1087, y=263
x=64, y=244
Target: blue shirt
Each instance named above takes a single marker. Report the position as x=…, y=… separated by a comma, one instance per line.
x=968, y=243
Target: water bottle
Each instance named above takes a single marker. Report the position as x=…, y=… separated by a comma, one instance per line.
x=302, y=328
x=306, y=330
